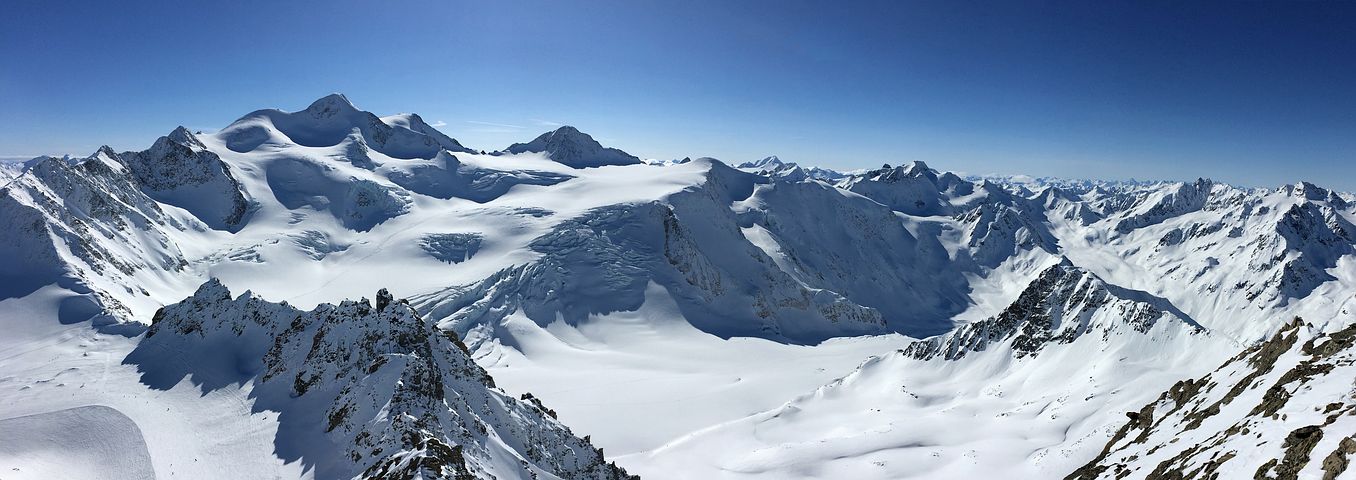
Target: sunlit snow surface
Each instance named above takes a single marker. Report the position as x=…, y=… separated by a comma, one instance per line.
x=695, y=320
x=49, y=368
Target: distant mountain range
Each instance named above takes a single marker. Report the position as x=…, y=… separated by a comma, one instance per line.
x=1024, y=316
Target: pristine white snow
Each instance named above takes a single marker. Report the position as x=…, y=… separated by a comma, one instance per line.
x=608, y=377
x=82, y=442
x=696, y=320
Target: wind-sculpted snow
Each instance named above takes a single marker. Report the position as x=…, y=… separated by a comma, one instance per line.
x=572, y=147
x=362, y=390
x=317, y=244
x=92, y=441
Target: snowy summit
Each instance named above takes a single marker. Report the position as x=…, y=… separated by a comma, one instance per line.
x=572, y=147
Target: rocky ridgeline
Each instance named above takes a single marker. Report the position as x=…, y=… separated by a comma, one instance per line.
x=1063, y=304
x=1283, y=409
x=363, y=390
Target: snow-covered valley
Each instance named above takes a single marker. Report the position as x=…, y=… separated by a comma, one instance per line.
x=560, y=309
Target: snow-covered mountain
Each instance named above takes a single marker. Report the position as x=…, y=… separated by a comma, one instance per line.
x=362, y=390
x=332, y=120
x=693, y=318
x=1060, y=306
x=774, y=167
x=574, y=148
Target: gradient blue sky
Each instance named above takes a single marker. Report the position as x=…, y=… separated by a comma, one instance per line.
x=1252, y=93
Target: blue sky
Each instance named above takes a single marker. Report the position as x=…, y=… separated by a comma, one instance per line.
x=1252, y=93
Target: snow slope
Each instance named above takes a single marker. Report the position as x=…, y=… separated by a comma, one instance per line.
x=1281, y=409
x=81, y=442
x=47, y=367
x=1018, y=392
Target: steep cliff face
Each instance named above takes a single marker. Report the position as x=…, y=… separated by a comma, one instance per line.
x=1313, y=237
x=1000, y=226
x=1282, y=409
x=363, y=390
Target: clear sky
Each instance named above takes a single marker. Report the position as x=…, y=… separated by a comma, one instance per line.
x=1257, y=94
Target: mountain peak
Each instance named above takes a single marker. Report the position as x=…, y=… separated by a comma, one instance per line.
x=331, y=104
x=909, y=170
x=212, y=289
x=572, y=147
x=567, y=133
x=179, y=170
x=1313, y=192
x=107, y=157
x=770, y=162
x=184, y=137
x=330, y=120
